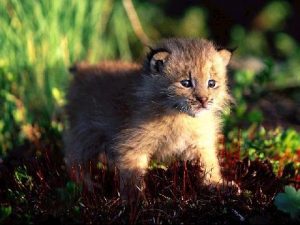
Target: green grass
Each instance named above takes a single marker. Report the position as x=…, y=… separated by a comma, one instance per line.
x=39, y=42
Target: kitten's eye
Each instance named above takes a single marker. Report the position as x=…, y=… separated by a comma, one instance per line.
x=211, y=83
x=186, y=83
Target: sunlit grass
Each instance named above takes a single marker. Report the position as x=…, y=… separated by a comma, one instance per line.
x=39, y=42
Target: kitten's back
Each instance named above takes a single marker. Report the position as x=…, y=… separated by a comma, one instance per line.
x=99, y=103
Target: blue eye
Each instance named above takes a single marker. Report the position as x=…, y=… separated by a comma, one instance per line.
x=186, y=83
x=211, y=83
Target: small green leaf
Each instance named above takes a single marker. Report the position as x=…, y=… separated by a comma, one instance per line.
x=289, y=201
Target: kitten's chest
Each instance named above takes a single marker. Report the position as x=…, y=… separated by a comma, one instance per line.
x=184, y=133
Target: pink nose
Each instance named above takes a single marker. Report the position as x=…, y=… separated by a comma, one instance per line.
x=202, y=100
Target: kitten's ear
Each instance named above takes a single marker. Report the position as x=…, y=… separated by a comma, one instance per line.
x=157, y=59
x=226, y=54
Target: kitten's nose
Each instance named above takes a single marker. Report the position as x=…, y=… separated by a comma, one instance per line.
x=202, y=100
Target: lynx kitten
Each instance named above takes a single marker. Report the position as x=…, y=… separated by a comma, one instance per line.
x=168, y=107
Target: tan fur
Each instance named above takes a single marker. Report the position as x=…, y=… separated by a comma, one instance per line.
x=134, y=114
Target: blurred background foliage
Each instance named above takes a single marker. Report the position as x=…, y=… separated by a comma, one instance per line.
x=40, y=40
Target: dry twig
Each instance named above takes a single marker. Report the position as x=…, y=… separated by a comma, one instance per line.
x=135, y=22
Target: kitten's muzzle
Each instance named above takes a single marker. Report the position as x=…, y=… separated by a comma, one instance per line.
x=202, y=101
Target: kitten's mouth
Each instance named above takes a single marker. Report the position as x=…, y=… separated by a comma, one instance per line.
x=193, y=110
x=198, y=109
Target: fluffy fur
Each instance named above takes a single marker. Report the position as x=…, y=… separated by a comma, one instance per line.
x=167, y=107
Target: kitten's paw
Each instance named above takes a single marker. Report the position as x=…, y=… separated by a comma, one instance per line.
x=224, y=187
x=213, y=180
x=231, y=185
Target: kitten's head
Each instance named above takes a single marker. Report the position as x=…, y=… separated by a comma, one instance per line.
x=188, y=75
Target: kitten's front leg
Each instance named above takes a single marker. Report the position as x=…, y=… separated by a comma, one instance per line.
x=212, y=166
x=133, y=154
x=132, y=165
x=209, y=158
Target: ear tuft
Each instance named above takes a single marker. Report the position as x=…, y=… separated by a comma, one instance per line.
x=225, y=55
x=157, y=59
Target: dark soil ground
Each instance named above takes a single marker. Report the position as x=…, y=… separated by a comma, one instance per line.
x=39, y=191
